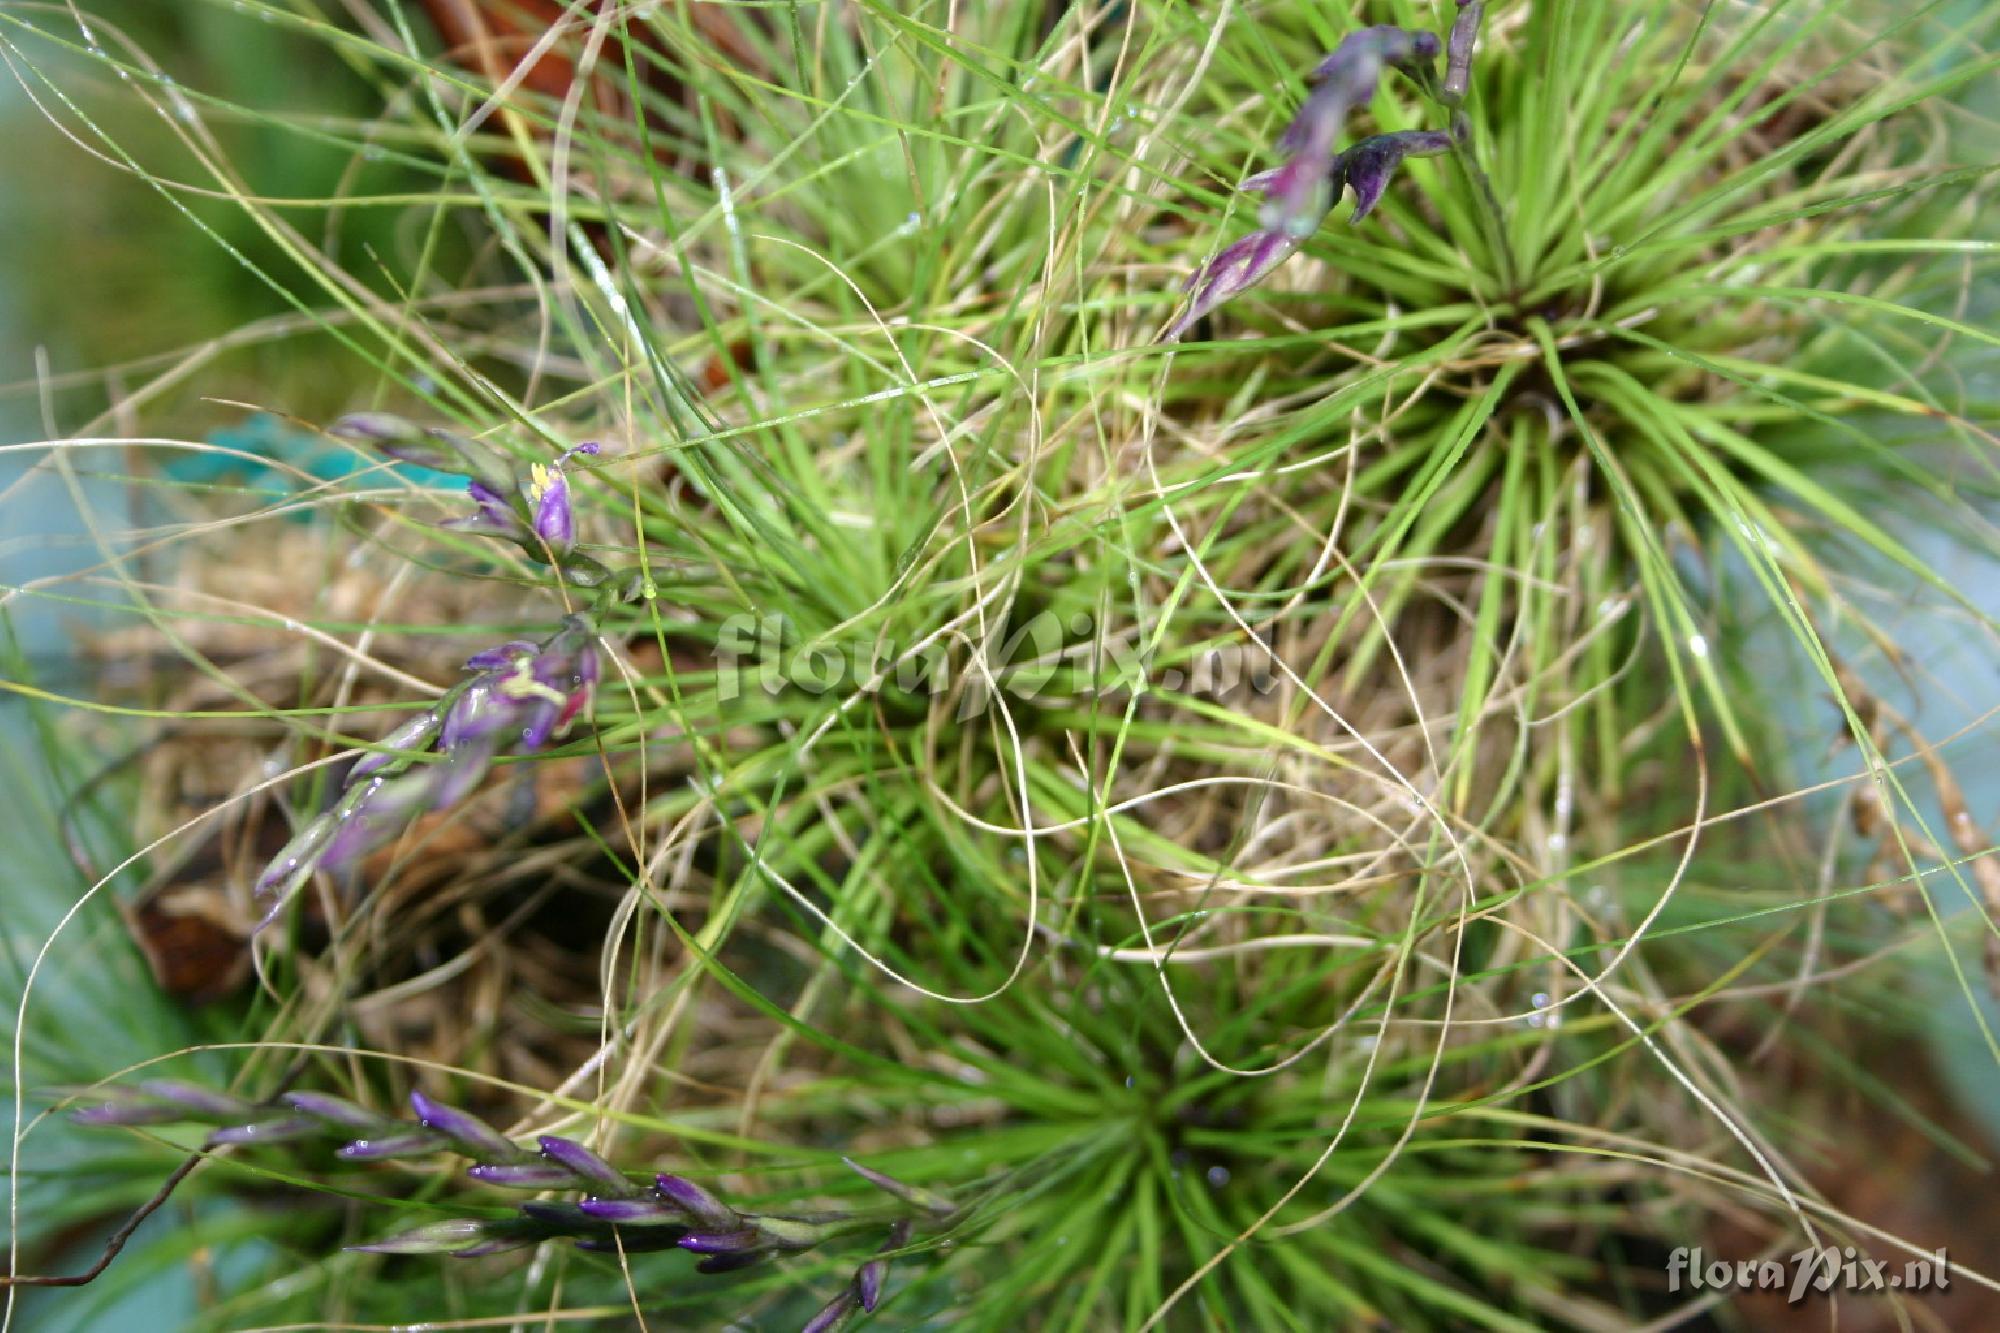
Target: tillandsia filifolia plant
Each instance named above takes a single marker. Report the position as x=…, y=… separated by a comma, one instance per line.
x=1277, y=832
x=522, y=695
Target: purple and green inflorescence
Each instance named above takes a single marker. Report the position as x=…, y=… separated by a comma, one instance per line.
x=615, y=1212
x=1298, y=194
x=521, y=694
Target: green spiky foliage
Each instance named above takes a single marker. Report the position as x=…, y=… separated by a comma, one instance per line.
x=1253, y=820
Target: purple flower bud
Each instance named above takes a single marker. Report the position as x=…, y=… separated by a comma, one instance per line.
x=522, y=1175
x=415, y=1143
x=583, y=1164
x=468, y=1132
x=336, y=1111
x=198, y=1102
x=1369, y=164
x=697, y=1203
x=1230, y=273
x=163, y=1102
x=425, y=446
x=396, y=437
x=1459, y=47
x=833, y=1313
x=916, y=1196
x=493, y=515
x=869, y=1277
x=288, y=1129
x=723, y=1242
x=633, y=1212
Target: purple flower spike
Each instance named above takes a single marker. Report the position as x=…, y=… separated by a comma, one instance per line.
x=1370, y=163
x=633, y=1212
x=583, y=1164
x=723, y=1242
x=523, y=694
x=1295, y=200
x=289, y=1129
x=1230, y=273
x=336, y=1111
x=416, y=1143
x=833, y=1313
x=468, y=1132
x=697, y=1203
